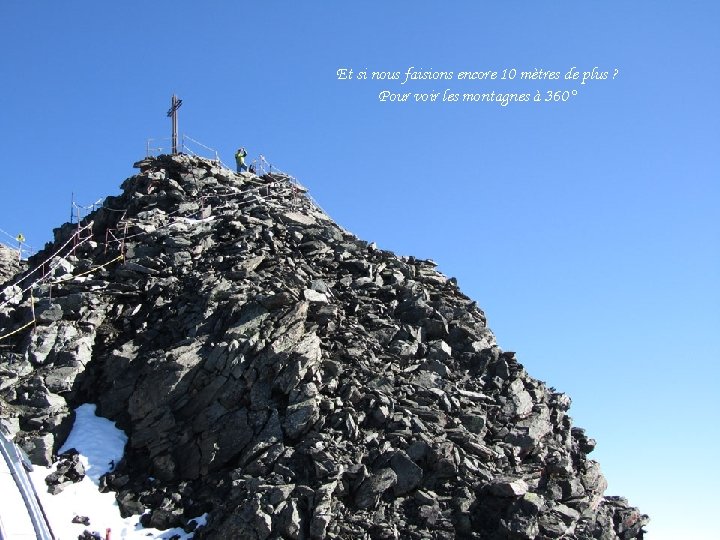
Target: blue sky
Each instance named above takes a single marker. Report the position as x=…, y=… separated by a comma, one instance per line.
x=587, y=230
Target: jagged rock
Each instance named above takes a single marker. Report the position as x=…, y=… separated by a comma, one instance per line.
x=409, y=475
x=288, y=378
x=314, y=296
x=509, y=487
x=286, y=520
x=299, y=218
x=161, y=518
x=69, y=470
x=39, y=448
x=373, y=487
x=10, y=265
x=12, y=294
x=300, y=417
x=322, y=514
x=129, y=504
x=585, y=443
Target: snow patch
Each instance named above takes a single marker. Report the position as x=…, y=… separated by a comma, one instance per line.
x=101, y=445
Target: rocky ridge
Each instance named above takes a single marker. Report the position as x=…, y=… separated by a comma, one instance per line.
x=290, y=379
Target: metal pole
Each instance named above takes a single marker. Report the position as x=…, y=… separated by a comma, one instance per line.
x=174, y=125
x=172, y=113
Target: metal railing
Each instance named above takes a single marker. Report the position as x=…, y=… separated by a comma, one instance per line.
x=19, y=464
x=153, y=148
x=188, y=145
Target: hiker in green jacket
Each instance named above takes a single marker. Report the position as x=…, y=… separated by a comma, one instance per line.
x=240, y=156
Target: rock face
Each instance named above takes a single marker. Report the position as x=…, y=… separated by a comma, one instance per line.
x=292, y=380
x=9, y=263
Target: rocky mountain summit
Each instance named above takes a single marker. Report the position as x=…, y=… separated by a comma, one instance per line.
x=295, y=382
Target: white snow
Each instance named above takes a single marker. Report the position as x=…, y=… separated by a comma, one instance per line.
x=193, y=221
x=99, y=443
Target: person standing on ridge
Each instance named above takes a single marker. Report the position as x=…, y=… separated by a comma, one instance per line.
x=240, y=156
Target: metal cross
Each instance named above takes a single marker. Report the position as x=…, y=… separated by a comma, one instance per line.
x=172, y=113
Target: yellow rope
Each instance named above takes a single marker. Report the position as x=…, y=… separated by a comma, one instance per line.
x=119, y=257
x=18, y=330
x=57, y=253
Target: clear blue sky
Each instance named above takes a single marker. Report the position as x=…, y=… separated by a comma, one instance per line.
x=586, y=230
